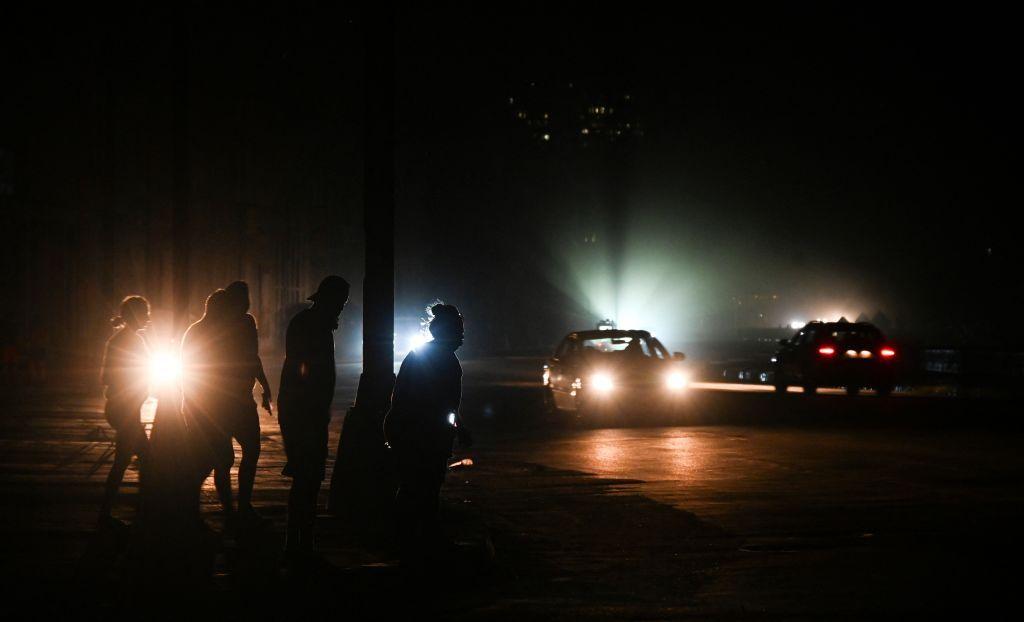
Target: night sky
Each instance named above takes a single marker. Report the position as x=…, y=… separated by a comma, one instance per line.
x=838, y=155
x=838, y=151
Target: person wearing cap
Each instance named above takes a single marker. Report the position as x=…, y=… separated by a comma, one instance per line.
x=304, y=407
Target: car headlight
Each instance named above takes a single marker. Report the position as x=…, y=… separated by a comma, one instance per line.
x=601, y=382
x=677, y=380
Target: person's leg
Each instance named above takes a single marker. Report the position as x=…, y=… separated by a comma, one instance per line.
x=292, y=540
x=130, y=441
x=122, y=457
x=312, y=493
x=224, y=457
x=434, y=471
x=405, y=504
x=248, y=435
x=302, y=502
x=415, y=508
x=140, y=448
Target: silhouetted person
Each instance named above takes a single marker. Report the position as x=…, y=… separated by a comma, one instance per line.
x=634, y=348
x=175, y=549
x=206, y=389
x=240, y=419
x=421, y=426
x=126, y=376
x=304, y=407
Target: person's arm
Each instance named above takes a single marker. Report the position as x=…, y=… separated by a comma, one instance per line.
x=258, y=371
x=261, y=377
x=461, y=431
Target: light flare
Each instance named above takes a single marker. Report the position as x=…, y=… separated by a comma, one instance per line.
x=164, y=368
x=677, y=380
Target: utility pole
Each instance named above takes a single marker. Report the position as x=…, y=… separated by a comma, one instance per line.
x=181, y=188
x=362, y=482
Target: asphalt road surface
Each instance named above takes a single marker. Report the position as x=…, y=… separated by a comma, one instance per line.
x=833, y=504
x=746, y=504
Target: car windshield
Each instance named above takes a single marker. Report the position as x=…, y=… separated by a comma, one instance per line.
x=608, y=345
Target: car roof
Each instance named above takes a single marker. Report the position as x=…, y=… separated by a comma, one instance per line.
x=842, y=325
x=607, y=334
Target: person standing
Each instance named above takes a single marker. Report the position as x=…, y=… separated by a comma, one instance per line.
x=205, y=376
x=125, y=374
x=241, y=420
x=421, y=425
x=304, y=407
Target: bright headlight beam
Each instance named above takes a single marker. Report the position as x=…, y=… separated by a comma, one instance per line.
x=602, y=382
x=677, y=380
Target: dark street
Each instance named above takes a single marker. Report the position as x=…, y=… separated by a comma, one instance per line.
x=768, y=515
x=378, y=311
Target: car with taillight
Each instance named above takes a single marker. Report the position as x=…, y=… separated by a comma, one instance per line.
x=851, y=355
x=610, y=370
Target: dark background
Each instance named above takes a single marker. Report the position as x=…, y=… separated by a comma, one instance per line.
x=823, y=157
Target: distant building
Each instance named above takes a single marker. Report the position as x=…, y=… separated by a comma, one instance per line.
x=572, y=114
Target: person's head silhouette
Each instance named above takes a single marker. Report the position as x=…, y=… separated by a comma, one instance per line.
x=447, y=327
x=132, y=314
x=237, y=297
x=217, y=306
x=331, y=296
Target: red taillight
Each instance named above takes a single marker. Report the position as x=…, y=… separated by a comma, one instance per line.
x=887, y=353
x=826, y=350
